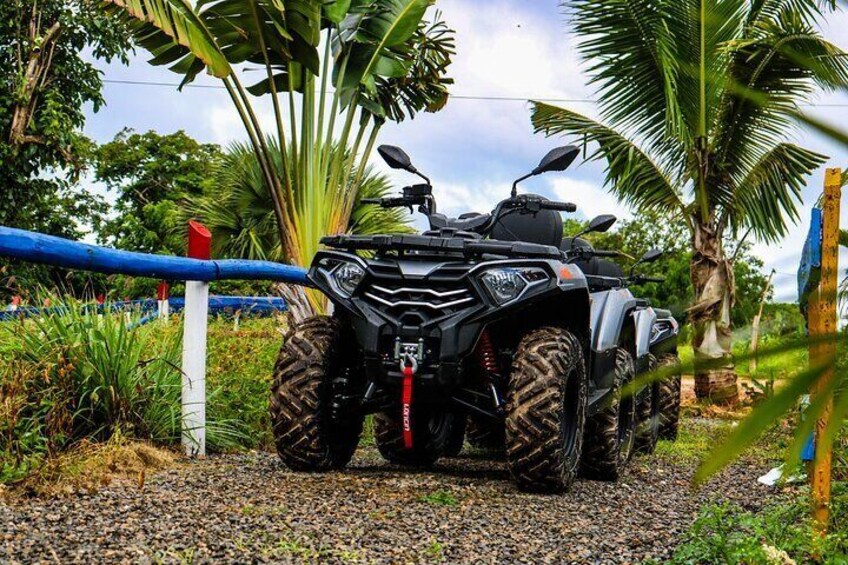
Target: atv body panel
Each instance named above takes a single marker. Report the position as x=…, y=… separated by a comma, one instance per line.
x=435, y=304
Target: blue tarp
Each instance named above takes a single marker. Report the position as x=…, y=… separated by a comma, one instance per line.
x=809, y=271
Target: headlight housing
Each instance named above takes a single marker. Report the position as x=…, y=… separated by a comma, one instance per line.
x=508, y=283
x=347, y=276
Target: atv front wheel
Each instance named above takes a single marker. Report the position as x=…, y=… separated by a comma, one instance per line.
x=313, y=361
x=431, y=434
x=610, y=432
x=669, y=397
x=647, y=413
x=546, y=410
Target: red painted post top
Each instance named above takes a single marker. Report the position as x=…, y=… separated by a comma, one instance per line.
x=199, y=241
x=162, y=291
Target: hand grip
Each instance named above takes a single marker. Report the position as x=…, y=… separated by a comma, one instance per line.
x=560, y=206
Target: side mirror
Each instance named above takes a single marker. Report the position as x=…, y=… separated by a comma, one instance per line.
x=395, y=157
x=600, y=224
x=651, y=255
x=557, y=159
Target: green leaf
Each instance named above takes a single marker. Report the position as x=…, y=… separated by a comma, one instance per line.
x=335, y=10
x=381, y=33
x=631, y=174
x=772, y=188
x=177, y=20
x=749, y=429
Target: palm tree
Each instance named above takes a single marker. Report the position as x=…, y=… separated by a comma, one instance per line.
x=240, y=214
x=696, y=99
x=380, y=60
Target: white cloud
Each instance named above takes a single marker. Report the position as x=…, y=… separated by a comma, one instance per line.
x=592, y=198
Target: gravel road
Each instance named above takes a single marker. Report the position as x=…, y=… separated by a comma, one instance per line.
x=249, y=508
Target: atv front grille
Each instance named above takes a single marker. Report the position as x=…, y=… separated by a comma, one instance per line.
x=419, y=302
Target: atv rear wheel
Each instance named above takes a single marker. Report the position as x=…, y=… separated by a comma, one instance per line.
x=486, y=434
x=313, y=361
x=669, y=397
x=546, y=410
x=610, y=432
x=647, y=413
x=431, y=434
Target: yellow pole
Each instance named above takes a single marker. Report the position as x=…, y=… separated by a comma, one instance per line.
x=823, y=323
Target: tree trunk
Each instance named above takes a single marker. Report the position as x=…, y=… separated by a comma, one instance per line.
x=713, y=283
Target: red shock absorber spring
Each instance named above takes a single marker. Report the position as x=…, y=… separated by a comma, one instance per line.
x=486, y=354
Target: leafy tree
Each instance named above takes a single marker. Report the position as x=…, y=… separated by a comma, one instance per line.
x=239, y=212
x=152, y=174
x=381, y=61
x=45, y=82
x=652, y=229
x=696, y=99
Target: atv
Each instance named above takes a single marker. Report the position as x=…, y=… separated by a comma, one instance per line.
x=481, y=318
x=656, y=333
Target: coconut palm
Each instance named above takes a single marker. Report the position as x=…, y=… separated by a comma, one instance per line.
x=240, y=214
x=380, y=60
x=696, y=100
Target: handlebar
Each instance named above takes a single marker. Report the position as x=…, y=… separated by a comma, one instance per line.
x=397, y=202
x=604, y=253
x=559, y=206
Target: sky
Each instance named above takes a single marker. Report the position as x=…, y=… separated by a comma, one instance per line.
x=474, y=148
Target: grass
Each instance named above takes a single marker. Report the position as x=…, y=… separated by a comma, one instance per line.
x=77, y=377
x=780, y=533
x=439, y=498
x=435, y=551
x=697, y=436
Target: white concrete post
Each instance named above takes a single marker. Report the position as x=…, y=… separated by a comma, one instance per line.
x=194, y=367
x=194, y=348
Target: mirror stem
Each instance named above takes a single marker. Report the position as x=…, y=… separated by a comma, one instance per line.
x=515, y=184
x=414, y=171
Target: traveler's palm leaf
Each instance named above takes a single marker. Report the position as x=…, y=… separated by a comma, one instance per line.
x=175, y=34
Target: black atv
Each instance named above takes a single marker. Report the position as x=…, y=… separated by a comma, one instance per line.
x=481, y=318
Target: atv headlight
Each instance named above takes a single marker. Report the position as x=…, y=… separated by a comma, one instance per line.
x=507, y=284
x=347, y=277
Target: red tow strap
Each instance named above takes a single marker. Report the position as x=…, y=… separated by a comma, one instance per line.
x=406, y=401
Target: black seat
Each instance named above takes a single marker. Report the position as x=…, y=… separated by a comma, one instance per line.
x=543, y=227
x=593, y=266
x=466, y=222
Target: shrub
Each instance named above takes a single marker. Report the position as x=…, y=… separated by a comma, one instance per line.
x=725, y=533
x=75, y=374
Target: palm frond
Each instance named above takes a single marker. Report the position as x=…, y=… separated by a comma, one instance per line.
x=775, y=68
x=809, y=10
x=633, y=62
x=771, y=190
x=630, y=173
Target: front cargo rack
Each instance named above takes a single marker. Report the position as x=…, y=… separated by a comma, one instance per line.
x=457, y=245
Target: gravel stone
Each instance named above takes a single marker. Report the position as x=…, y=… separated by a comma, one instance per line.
x=250, y=508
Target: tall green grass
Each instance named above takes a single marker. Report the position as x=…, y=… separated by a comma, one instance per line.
x=75, y=374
